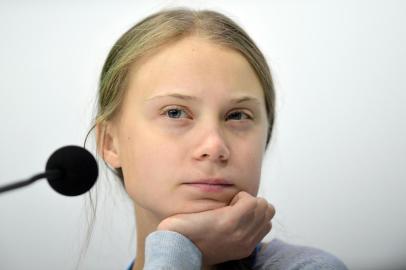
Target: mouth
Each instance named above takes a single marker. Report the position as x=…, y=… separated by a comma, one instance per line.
x=210, y=185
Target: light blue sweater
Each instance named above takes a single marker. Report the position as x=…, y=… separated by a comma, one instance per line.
x=166, y=250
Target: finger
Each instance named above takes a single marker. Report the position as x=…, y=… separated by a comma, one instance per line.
x=265, y=210
x=262, y=232
x=258, y=235
x=270, y=213
x=261, y=213
x=239, y=196
x=239, y=215
x=244, y=202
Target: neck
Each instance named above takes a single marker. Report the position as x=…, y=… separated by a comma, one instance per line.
x=146, y=223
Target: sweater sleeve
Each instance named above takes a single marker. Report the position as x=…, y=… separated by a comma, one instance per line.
x=279, y=255
x=167, y=250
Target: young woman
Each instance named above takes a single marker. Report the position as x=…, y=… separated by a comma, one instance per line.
x=186, y=110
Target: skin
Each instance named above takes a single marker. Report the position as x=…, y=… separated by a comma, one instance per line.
x=193, y=112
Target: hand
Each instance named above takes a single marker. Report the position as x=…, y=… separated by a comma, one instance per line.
x=227, y=233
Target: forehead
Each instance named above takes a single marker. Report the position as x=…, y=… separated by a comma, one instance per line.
x=193, y=64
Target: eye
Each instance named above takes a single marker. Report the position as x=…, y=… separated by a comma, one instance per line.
x=238, y=115
x=175, y=113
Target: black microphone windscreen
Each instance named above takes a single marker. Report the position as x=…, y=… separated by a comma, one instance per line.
x=78, y=169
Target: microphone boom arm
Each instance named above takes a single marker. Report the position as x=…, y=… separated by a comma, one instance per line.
x=48, y=173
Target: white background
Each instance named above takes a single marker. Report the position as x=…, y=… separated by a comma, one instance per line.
x=336, y=168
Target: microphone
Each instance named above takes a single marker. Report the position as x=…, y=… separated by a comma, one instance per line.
x=70, y=171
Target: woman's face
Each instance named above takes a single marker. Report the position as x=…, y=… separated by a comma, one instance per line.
x=192, y=129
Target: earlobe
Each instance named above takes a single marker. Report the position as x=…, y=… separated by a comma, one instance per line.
x=107, y=144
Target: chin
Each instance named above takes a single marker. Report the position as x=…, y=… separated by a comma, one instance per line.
x=200, y=205
x=184, y=206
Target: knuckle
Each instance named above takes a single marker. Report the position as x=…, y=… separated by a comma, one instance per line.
x=270, y=206
x=264, y=231
x=251, y=203
x=262, y=202
x=268, y=227
x=271, y=211
x=239, y=237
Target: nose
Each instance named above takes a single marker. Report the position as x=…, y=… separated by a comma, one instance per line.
x=212, y=146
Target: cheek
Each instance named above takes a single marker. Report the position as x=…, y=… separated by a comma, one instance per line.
x=249, y=164
x=148, y=163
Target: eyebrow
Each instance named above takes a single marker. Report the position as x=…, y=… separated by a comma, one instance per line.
x=194, y=98
x=245, y=99
x=174, y=95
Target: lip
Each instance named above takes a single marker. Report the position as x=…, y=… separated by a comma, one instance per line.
x=210, y=185
x=211, y=181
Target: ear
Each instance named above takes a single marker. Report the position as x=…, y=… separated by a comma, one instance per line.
x=107, y=143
